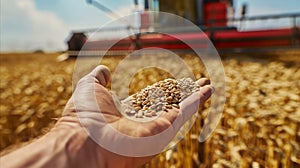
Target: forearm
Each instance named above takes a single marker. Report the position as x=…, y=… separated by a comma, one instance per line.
x=65, y=146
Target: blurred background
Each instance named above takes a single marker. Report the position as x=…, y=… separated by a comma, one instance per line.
x=258, y=42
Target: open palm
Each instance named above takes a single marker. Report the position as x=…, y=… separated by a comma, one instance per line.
x=129, y=142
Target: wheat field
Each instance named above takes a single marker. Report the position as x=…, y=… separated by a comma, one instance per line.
x=260, y=125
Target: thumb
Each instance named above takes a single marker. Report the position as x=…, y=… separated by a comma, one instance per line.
x=102, y=75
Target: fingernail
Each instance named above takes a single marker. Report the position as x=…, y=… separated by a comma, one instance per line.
x=212, y=90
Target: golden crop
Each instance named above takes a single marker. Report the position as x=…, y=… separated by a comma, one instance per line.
x=260, y=126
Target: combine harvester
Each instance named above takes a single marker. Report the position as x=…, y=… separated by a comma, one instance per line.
x=214, y=17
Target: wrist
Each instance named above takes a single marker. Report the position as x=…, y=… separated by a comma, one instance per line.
x=83, y=151
x=80, y=149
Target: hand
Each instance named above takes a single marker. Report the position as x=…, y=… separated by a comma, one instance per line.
x=117, y=140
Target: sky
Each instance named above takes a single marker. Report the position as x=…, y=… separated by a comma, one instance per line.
x=29, y=25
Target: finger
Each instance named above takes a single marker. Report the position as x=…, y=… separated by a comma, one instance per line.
x=102, y=74
x=205, y=93
x=203, y=81
x=187, y=108
x=191, y=104
x=163, y=121
x=170, y=115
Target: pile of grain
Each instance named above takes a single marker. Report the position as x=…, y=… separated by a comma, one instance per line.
x=161, y=96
